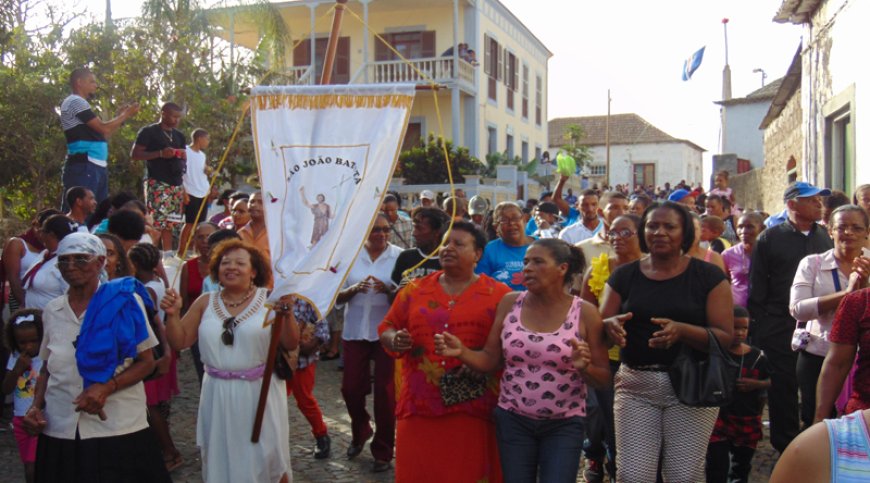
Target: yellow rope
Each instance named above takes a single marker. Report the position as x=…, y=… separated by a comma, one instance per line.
x=434, y=87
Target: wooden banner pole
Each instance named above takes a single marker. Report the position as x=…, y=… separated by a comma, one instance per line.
x=332, y=44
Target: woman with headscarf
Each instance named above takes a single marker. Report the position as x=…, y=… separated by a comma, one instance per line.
x=100, y=433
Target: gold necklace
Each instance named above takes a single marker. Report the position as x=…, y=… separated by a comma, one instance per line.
x=240, y=302
x=454, y=296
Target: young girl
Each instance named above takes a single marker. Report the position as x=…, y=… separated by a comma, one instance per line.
x=23, y=337
x=145, y=258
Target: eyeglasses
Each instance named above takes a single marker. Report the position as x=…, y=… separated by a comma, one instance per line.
x=381, y=229
x=79, y=261
x=228, y=337
x=850, y=228
x=624, y=233
x=508, y=221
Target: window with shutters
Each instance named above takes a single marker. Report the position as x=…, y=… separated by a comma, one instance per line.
x=525, y=111
x=539, y=99
x=511, y=77
x=493, y=65
x=341, y=66
x=412, y=45
x=509, y=147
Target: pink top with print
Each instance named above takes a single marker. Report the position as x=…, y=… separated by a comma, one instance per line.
x=539, y=380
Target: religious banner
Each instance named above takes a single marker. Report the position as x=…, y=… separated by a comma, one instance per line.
x=325, y=156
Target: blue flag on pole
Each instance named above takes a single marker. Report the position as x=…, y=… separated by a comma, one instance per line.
x=691, y=64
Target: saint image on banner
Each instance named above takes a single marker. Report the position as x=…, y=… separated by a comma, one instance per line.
x=322, y=214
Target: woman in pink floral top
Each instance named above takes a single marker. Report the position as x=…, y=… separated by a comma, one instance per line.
x=434, y=441
x=550, y=344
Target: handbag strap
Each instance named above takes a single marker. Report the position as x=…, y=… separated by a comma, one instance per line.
x=714, y=346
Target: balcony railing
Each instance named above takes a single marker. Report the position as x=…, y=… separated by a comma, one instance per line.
x=439, y=69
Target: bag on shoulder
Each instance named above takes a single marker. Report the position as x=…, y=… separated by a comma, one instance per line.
x=704, y=380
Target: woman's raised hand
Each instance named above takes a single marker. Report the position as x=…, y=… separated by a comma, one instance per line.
x=448, y=345
x=171, y=303
x=581, y=355
x=615, y=328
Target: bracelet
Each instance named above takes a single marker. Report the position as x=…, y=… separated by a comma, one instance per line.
x=116, y=384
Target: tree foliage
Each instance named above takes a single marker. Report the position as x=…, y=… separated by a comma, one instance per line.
x=574, y=146
x=169, y=53
x=424, y=163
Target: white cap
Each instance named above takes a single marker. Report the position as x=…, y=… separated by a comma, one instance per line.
x=427, y=195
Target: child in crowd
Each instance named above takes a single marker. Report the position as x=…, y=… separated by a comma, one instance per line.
x=712, y=229
x=163, y=385
x=738, y=428
x=722, y=189
x=23, y=338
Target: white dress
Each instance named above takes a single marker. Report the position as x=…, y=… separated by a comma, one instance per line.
x=227, y=407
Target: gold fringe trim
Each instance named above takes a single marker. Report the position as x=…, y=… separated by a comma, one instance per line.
x=323, y=101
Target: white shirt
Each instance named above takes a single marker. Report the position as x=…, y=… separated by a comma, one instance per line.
x=815, y=278
x=367, y=309
x=45, y=286
x=125, y=410
x=195, y=180
x=578, y=232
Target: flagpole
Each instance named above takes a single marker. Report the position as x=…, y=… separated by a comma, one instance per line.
x=726, y=72
x=332, y=44
x=607, y=143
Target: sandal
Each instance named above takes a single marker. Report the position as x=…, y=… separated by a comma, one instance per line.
x=330, y=356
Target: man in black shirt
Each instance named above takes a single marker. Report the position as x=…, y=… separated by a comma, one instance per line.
x=775, y=259
x=162, y=146
x=429, y=226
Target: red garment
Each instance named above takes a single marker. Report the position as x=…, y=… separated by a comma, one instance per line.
x=852, y=326
x=302, y=388
x=164, y=387
x=357, y=382
x=423, y=308
x=194, y=279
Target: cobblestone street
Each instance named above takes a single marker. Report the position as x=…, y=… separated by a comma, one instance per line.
x=336, y=469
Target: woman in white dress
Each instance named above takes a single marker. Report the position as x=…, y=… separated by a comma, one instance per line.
x=234, y=346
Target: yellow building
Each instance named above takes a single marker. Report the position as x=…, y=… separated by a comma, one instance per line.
x=495, y=101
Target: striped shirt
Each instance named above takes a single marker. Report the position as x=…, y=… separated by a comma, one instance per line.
x=850, y=448
x=83, y=143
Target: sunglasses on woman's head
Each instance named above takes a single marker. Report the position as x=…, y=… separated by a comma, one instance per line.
x=228, y=337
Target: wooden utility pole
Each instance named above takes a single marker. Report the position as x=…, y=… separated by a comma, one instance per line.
x=332, y=44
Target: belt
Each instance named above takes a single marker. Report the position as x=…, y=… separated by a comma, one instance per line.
x=246, y=374
x=649, y=367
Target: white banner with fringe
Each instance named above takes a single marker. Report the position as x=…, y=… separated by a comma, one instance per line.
x=325, y=156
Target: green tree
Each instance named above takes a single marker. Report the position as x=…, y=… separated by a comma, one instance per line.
x=424, y=163
x=574, y=146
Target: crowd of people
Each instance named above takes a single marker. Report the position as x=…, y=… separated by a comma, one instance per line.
x=499, y=343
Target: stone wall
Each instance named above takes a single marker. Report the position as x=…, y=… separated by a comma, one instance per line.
x=761, y=189
x=783, y=141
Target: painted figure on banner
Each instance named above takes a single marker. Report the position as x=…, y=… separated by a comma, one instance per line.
x=322, y=214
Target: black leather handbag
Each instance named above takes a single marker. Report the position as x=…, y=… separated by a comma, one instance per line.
x=704, y=379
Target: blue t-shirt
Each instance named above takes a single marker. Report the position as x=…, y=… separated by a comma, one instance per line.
x=573, y=216
x=503, y=263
